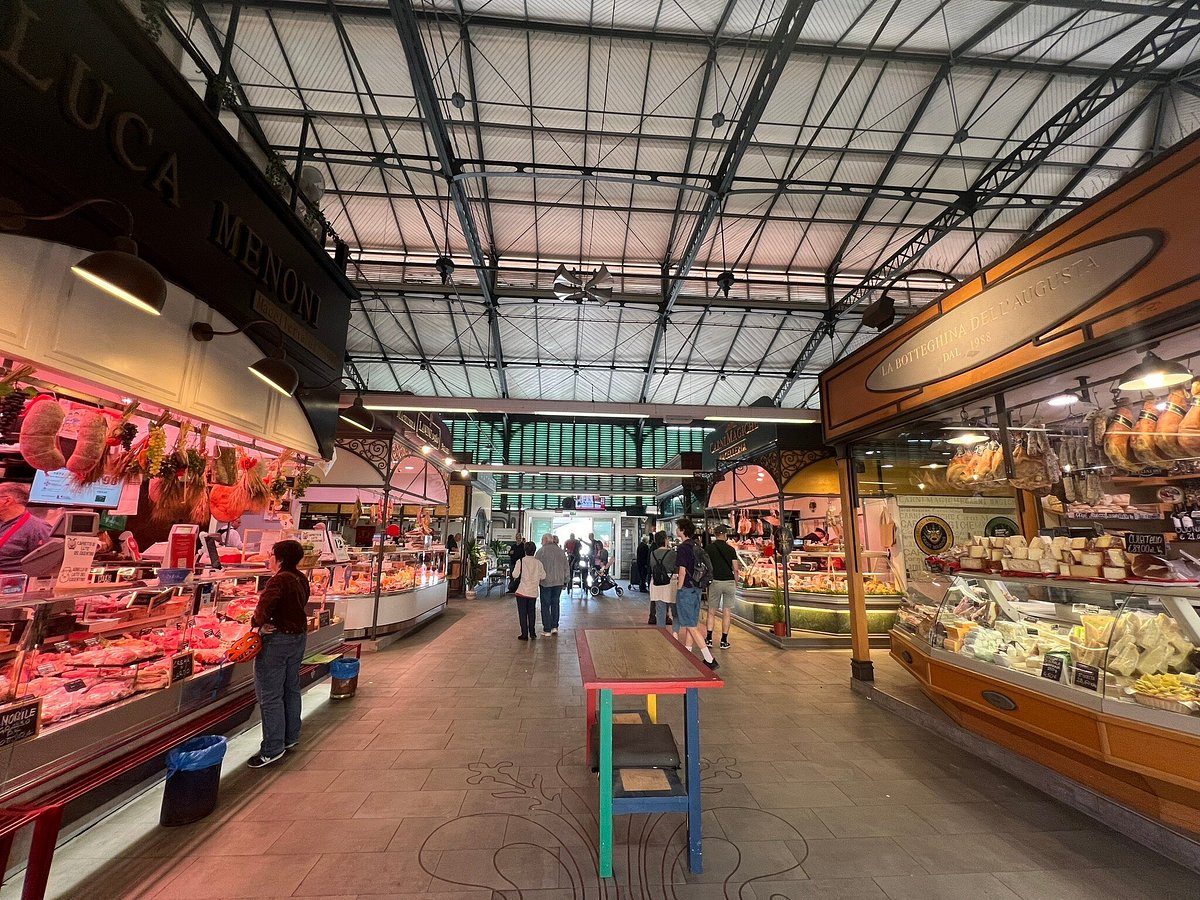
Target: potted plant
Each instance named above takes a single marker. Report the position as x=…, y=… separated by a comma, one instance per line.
x=778, y=613
x=476, y=566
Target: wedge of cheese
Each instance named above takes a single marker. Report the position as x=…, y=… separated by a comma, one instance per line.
x=1114, y=573
x=1083, y=571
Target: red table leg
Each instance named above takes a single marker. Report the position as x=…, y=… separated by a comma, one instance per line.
x=589, y=714
x=41, y=853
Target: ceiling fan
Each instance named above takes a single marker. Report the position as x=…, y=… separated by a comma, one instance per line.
x=571, y=284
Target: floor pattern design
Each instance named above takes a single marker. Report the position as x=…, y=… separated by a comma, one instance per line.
x=457, y=773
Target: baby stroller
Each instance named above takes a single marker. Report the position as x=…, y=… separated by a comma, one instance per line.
x=602, y=581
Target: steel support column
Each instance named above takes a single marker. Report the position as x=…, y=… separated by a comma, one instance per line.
x=409, y=32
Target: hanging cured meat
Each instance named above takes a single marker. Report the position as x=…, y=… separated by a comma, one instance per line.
x=1188, y=435
x=39, y=434
x=1166, y=434
x=743, y=525
x=1116, y=439
x=1141, y=442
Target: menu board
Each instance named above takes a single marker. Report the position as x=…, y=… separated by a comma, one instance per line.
x=20, y=721
x=55, y=489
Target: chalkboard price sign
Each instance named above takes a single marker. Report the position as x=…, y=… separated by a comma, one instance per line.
x=72, y=686
x=1052, y=668
x=1087, y=677
x=182, y=666
x=1155, y=544
x=324, y=618
x=20, y=722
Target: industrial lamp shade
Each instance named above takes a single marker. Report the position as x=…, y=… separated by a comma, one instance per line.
x=1153, y=373
x=123, y=274
x=358, y=415
x=277, y=373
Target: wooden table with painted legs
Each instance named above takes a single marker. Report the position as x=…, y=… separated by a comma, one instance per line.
x=643, y=661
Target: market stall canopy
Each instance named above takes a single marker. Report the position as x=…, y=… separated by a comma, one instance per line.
x=419, y=482
x=78, y=337
x=751, y=487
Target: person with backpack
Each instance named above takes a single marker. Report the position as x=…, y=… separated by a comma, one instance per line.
x=695, y=574
x=528, y=574
x=662, y=580
x=726, y=569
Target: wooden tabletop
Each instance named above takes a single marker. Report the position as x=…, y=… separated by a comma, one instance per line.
x=639, y=660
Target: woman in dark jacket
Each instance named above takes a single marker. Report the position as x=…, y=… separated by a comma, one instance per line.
x=283, y=621
x=643, y=565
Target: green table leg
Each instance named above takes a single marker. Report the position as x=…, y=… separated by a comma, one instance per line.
x=606, y=784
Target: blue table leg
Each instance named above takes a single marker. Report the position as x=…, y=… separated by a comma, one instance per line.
x=606, y=784
x=691, y=732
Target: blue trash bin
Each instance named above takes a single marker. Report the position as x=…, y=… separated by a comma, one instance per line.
x=344, y=675
x=193, y=780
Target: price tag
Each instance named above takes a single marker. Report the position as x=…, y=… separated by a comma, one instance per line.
x=79, y=550
x=72, y=686
x=46, y=669
x=20, y=721
x=324, y=618
x=182, y=666
x=208, y=632
x=1052, y=667
x=62, y=647
x=1086, y=677
x=92, y=642
x=1155, y=544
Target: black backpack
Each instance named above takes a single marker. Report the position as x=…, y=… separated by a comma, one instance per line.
x=702, y=570
x=658, y=570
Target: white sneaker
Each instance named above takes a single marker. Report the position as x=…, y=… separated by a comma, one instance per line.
x=554, y=631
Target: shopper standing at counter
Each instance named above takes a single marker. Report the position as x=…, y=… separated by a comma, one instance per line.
x=725, y=569
x=281, y=616
x=20, y=530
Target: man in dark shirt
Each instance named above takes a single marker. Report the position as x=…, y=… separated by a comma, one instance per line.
x=20, y=530
x=282, y=617
x=725, y=568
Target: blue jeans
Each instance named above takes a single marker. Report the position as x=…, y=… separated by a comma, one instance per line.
x=277, y=684
x=550, y=598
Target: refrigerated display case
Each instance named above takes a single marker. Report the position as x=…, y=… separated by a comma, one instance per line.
x=93, y=671
x=816, y=579
x=411, y=583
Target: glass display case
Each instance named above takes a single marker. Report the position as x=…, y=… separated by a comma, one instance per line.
x=816, y=580
x=1124, y=649
x=411, y=582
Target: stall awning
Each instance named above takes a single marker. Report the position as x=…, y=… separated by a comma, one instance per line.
x=748, y=488
x=418, y=482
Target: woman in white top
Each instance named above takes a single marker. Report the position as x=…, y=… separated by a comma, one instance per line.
x=662, y=565
x=529, y=573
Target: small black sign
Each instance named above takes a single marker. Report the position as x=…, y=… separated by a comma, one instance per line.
x=20, y=721
x=324, y=618
x=1155, y=544
x=1086, y=677
x=182, y=665
x=72, y=686
x=1052, y=667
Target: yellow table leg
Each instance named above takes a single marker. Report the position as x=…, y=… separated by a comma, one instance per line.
x=652, y=708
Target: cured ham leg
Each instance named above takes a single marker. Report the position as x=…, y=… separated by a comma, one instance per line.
x=1141, y=442
x=1166, y=434
x=1188, y=435
x=1116, y=439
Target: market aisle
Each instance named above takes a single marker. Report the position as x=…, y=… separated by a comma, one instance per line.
x=455, y=772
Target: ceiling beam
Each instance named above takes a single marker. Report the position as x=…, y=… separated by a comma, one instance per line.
x=698, y=39
x=1167, y=38
x=571, y=409
x=774, y=58
x=409, y=32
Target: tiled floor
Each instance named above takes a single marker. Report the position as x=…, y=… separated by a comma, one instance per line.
x=455, y=773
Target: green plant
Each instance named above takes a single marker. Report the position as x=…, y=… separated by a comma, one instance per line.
x=778, y=611
x=498, y=549
x=476, y=558
x=154, y=14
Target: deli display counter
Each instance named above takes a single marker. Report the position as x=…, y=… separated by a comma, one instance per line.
x=411, y=584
